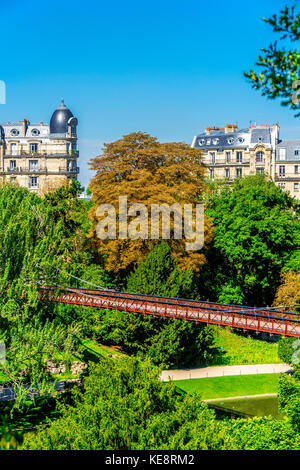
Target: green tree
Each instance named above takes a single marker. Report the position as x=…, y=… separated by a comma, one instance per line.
x=279, y=65
x=256, y=230
x=159, y=275
x=124, y=406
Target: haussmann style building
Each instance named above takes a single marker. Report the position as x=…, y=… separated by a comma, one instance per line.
x=40, y=157
x=230, y=152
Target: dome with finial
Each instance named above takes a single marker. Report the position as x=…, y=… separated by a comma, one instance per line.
x=60, y=118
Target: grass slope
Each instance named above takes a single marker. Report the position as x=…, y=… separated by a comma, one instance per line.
x=232, y=386
x=238, y=349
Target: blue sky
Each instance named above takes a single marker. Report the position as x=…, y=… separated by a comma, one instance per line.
x=169, y=68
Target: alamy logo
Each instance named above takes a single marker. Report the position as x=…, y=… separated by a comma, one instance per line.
x=135, y=222
x=2, y=92
x=296, y=354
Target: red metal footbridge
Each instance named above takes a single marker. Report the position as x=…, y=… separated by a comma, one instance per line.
x=246, y=318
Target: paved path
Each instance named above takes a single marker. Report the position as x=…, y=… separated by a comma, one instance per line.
x=219, y=371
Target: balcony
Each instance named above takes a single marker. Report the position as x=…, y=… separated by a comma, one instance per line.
x=40, y=171
x=287, y=177
x=23, y=154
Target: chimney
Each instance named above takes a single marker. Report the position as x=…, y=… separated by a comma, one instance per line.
x=25, y=126
x=230, y=128
x=214, y=128
x=275, y=129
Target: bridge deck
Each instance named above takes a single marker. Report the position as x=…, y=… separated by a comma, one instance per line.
x=246, y=318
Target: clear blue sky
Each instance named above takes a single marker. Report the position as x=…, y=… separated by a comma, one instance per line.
x=169, y=68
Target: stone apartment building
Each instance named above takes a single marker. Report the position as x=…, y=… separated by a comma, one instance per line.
x=230, y=152
x=40, y=157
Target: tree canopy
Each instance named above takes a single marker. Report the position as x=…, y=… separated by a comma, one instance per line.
x=279, y=64
x=256, y=230
x=147, y=172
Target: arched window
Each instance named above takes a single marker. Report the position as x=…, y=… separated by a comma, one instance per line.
x=260, y=157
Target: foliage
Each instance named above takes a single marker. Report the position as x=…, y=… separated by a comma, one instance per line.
x=125, y=406
x=285, y=349
x=147, y=172
x=256, y=229
x=288, y=293
x=41, y=241
x=280, y=66
x=289, y=399
x=159, y=275
x=262, y=434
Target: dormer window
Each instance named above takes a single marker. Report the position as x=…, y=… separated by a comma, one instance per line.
x=230, y=140
x=35, y=132
x=14, y=132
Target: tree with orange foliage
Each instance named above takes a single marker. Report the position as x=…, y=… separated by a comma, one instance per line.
x=288, y=293
x=149, y=172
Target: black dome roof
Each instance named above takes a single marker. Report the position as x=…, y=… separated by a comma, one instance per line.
x=59, y=119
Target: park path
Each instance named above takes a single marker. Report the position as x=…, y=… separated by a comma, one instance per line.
x=220, y=371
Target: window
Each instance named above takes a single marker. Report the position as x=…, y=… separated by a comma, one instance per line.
x=238, y=172
x=71, y=165
x=211, y=173
x=12, y=164
x=296, y=169
x=33, y=165
x=296, y=152
x=74, y=147
x=14, y=132
x=282, y=153
x=215, y=141
x=227, y=173
x=260, y=157
x=73, y=130
x=260, y=171
x=296, y=186
x=212, y=158
x=34, y=148
x=239, y=157
x=35, y=132
x=13, y=180
x=208, y=142
x=281, y=171
x=13, y=149
x=230, y=140
x=228, y=157
x=282, y=185
x=33, y=182
x=68, y=148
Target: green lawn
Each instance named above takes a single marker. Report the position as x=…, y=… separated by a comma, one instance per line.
x=99, y=349
x=232, y=386
x=238, y=349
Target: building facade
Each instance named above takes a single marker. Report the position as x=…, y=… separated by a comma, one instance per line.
x=40, y=157
x=230, y=152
